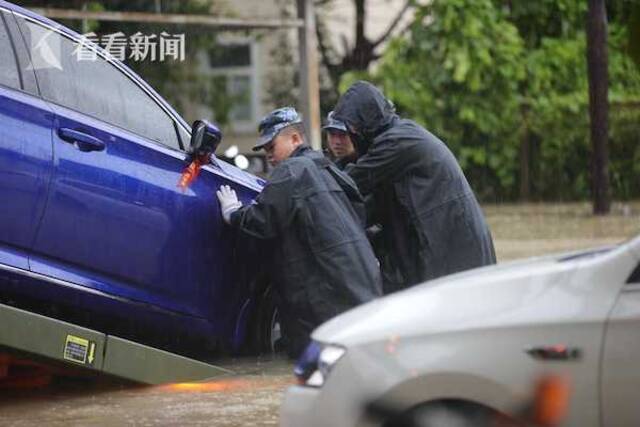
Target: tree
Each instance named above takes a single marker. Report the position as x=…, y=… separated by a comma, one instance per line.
x=459, y=76
x=597, y=58
x=359, y=55
x=504, y=84
x=537, y=21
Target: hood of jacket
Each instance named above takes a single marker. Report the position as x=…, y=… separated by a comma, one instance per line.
x=365, y=109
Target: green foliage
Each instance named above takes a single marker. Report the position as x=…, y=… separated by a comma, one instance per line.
x=624, y=131
x=487, y=75
x=539, y=19
x=458, y=76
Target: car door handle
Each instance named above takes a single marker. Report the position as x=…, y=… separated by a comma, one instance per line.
x=83, y=141
x=554, y=352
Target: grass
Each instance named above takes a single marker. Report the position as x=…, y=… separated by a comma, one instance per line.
x=522, y=230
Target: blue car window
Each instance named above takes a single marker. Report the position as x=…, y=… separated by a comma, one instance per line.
x=28, y=77
x=185, y=137
x=72, y=75
x=9, y=75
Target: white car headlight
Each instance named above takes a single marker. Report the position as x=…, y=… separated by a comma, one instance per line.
x=316, y=363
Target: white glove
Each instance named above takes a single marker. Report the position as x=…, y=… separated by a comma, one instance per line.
x=229, y=202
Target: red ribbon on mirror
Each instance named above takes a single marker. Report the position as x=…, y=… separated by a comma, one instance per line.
x=191, y=172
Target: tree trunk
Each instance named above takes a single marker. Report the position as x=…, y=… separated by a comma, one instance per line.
x=597, y=62
x=362, y=53
x=361, y=16
x=525, y=156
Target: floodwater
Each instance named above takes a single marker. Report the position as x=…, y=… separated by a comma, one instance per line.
x=251, y=396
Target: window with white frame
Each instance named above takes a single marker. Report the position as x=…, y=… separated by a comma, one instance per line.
x=232, y=66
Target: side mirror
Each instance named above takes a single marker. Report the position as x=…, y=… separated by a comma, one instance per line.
x=205, y=138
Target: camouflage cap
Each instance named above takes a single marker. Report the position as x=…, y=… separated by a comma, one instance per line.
x=333, y=124
x=273, y=123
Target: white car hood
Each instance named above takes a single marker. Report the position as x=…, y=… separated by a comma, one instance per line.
x=500, y=295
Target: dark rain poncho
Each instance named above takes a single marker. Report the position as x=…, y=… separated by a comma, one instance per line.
x=432, y=224
x=322, y=263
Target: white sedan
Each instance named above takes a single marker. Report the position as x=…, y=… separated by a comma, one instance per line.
x=471, y=346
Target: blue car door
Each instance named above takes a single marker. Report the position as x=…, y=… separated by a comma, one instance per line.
x=115, y=221
x=25, y=149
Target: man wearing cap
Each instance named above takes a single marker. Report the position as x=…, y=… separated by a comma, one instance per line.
x=344, y=154
x=312, y=214
x=339, y=143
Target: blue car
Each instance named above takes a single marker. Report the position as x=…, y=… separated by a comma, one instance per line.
x=93, y=226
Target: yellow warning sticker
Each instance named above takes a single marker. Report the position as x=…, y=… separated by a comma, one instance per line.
x=76, y=349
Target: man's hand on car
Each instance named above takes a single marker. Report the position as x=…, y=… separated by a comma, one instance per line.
x=229, y=202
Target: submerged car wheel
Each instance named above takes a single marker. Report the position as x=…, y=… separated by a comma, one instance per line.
x=275, y=335
x=267, y=331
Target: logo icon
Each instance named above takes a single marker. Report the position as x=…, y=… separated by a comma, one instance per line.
x=45, y=49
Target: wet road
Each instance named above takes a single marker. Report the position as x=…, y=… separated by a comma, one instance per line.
x=252, y=395
x=249, y=397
